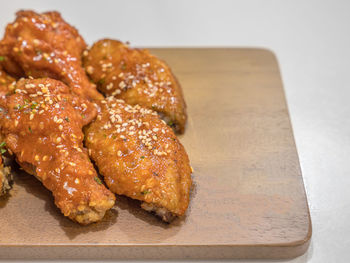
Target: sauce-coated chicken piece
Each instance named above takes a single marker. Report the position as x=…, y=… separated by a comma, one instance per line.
x=140, y=157
x=137, y=77
x=42, y=123
x=44, y=45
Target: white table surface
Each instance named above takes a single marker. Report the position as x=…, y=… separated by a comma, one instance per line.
x=312, y=42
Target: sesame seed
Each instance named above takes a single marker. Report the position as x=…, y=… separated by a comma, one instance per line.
x=36, y=158
x=119, y=153
x=122, y=85
x=76, y=181
x=116, y=92
x=109, y=86
x=72, y=164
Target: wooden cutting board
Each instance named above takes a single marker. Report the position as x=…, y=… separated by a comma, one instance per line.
x=248, y=199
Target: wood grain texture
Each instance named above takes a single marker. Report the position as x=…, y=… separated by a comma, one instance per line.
x=248, y=200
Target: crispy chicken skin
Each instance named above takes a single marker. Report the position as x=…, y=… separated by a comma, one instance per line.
x=140, y=157
x=6, y=88
x=5, y=177
x=137, y=77
x=42, y=124
x=44, y=45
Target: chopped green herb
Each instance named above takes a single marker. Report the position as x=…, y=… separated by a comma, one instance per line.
x=67, y=119
x=142, y=157
x=171, y=123
x=2, y=150
x=34, y=104
x=154, y=173
x=105, y=136
x=2, y=58
x=104, y=57
x=17, y=107
x=30, y=129
x=146, y=192
x=2, y=144
x=97, y=180
x=114, y=137
x=101, y=82
x=123, y=66
x=83, y=115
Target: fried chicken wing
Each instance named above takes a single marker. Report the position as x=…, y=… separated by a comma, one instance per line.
x=44, y=45
x=137, y=77
x=6, y=88
x=140, y=157
x=42, y=123
x=5, y=176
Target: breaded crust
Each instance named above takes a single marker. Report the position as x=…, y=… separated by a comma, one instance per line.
x=5, y=178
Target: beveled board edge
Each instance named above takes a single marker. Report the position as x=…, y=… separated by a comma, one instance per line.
x=152, y=252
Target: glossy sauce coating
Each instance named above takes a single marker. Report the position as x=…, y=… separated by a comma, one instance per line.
x=6, y=86
x=137, y=77
x=42, y=122
x=139, y=155
x=44, y=45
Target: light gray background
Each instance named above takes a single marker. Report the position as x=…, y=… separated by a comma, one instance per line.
x=312, y=42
